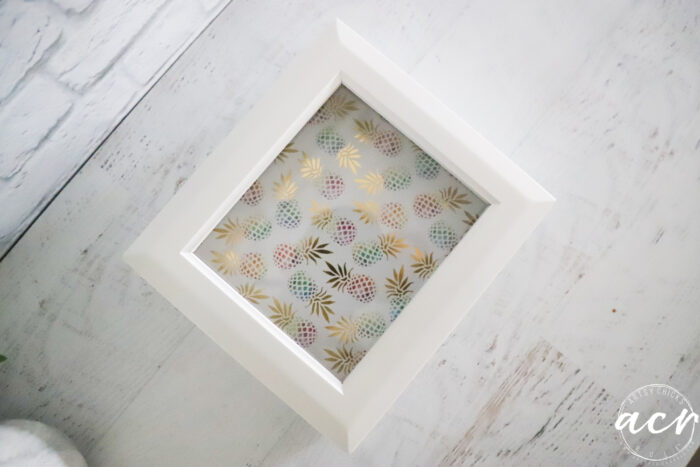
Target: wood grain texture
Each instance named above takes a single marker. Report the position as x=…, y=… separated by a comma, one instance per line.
x=598, y=102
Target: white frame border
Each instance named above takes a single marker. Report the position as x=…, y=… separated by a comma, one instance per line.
x=164, y=253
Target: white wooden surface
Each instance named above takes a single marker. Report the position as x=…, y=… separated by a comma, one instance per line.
x=599, y=101
x=71, y=69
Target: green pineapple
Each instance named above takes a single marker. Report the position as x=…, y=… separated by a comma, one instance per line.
x=367, y=253
x=371, y=325
x=442, y=235
x=330, y=141
x=396, y=178
x=302, y=286
x=257, y=228
x=288, y=214
x=426, y=166
x=398, y=291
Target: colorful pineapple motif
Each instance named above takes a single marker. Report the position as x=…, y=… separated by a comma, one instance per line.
x=288, y=214
x=386, y=141
x=442, y=235
x=333, y=217
x=330, y=141
x=362, y=288
x=367, y=253
x=396, y=178
x=371, y=252
x=306, y=334
x=426, y=206
x=254, y=194
x=394, y=216
x=253, y=266
x=426, y=166
x=286, y=256
x=398, y=290
x=332, y=186
x=344, y=231
x=257, y=228
x=371, y=325
x=302, y=286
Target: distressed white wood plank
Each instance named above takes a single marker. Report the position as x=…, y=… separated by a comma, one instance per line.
x=466, y=373
x=560, y=286
x=79, y=347
x=97, y=58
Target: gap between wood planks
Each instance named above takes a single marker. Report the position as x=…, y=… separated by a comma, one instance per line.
x=158, y=77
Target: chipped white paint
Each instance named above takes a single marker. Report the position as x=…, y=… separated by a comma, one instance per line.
x=607, y=100
x=71, y=70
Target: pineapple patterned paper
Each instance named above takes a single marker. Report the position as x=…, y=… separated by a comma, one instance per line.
x=340, y=232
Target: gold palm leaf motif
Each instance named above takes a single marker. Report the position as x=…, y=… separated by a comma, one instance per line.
x=391, y=245
x=231, y=232
x=285, y=188
x=339, y=106
x=322, y=215
x=369, y=211
x=251, y=293
x=452, y=199
x=344, y=329
x=424, y=264
x=470, y=220
x=311, y=168
x=227, y=261
x=366, y=130
x=398, y=285
x=348, y=157
x=311, y=249
x=340, y=275
x=282, y=313
x=288, y=149
x=343, y=359
x=372, y=183
x=321, y=303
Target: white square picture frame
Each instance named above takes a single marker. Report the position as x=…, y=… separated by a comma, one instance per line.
x=164, y=253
